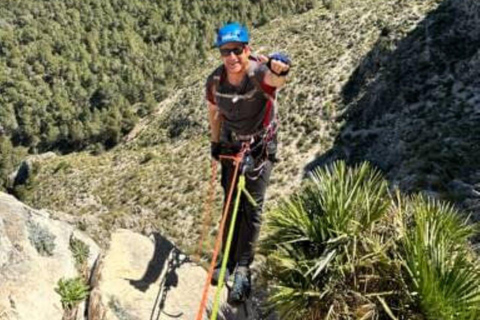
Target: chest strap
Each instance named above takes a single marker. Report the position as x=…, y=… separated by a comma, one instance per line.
x=269, y=117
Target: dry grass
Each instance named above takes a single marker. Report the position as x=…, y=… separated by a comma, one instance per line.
x=158, y=179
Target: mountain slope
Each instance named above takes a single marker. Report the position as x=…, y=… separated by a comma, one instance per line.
x=75, y=74
x=414, y=110
x=158, y=178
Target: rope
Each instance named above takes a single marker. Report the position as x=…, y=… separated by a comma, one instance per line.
x=237, y=160
x=203, y=303
x=207, y=210
x=240, y=188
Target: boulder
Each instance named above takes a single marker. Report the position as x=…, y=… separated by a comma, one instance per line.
x=34, y=254
x=138, y=277
x=24, y=170
x=149, y=278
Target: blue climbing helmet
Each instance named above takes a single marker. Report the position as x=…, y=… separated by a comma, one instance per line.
x=232, y=32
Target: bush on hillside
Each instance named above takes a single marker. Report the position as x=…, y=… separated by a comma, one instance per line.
x=343, y=248
x=441, y=268
x=75, y=73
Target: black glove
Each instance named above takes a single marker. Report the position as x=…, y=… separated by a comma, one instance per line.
x=215, y=150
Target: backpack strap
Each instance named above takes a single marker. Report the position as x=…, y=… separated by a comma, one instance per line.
x=256, y=83
x=217, y=77
x=271, y=100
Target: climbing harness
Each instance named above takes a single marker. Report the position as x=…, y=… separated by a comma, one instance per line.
x=245, y=165
x=266, y=136
x=240, y=166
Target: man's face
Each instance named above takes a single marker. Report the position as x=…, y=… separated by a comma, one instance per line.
x=235, y=56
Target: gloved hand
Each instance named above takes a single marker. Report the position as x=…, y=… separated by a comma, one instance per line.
x=284, y=63
x=215, y=150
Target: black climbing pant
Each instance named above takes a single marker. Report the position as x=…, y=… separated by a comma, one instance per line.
x=249, y=217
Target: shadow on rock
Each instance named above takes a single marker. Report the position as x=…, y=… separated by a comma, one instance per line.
x=169, y=280
x=412, y=107
x=163, y=247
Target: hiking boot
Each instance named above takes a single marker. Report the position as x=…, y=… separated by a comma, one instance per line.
x=241, y=288
x=216, y=272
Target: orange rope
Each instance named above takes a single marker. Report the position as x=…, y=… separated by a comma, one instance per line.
x=208, y=210
x=203, y=304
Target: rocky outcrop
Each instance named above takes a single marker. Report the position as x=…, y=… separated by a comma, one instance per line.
x=138, y=277
x=26, y=168
x=148, y=278
x=412, y=107
x=35, y=253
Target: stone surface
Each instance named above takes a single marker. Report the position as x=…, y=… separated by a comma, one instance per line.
x=28, y=277
x=421, y=99
x=131, y=281
x=137, y=278
x=148, y=278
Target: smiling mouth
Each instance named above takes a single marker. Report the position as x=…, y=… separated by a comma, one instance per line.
x=233, y=64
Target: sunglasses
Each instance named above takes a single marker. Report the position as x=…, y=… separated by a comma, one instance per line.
x=236, y=51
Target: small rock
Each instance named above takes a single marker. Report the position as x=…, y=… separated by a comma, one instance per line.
x=21, y=175
x=28, y=279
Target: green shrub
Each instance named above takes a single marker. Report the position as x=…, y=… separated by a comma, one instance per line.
x=72, y=292
x=42, y=239
x=62, y=166
x=329, y=237
x=147, y=157
x=80, y=252
x=344, y=248
x=442, y=270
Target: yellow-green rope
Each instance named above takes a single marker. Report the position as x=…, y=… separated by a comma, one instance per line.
x=240, y=188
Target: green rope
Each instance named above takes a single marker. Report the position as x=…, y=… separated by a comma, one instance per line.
x=240, y=188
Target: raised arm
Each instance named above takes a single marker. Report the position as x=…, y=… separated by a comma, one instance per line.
x=276, y=74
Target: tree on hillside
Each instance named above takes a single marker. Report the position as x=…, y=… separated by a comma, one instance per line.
x=66, y=63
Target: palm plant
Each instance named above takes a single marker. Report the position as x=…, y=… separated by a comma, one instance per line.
x=441, y=267
x=343, y=248
x=328, y=246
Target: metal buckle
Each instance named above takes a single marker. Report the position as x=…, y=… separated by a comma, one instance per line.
x=247, y=137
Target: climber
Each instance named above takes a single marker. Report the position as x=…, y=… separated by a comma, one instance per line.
x=240, y=95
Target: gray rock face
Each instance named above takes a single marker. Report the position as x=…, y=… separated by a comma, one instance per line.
x=34, y=255
x=148, y=278
x=413, y=110
x=137, y=278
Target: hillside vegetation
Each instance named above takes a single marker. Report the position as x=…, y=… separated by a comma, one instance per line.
x=392, y=82
x=77, y=74
x=157, y=178
x=344, y=247
x=412, y=107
